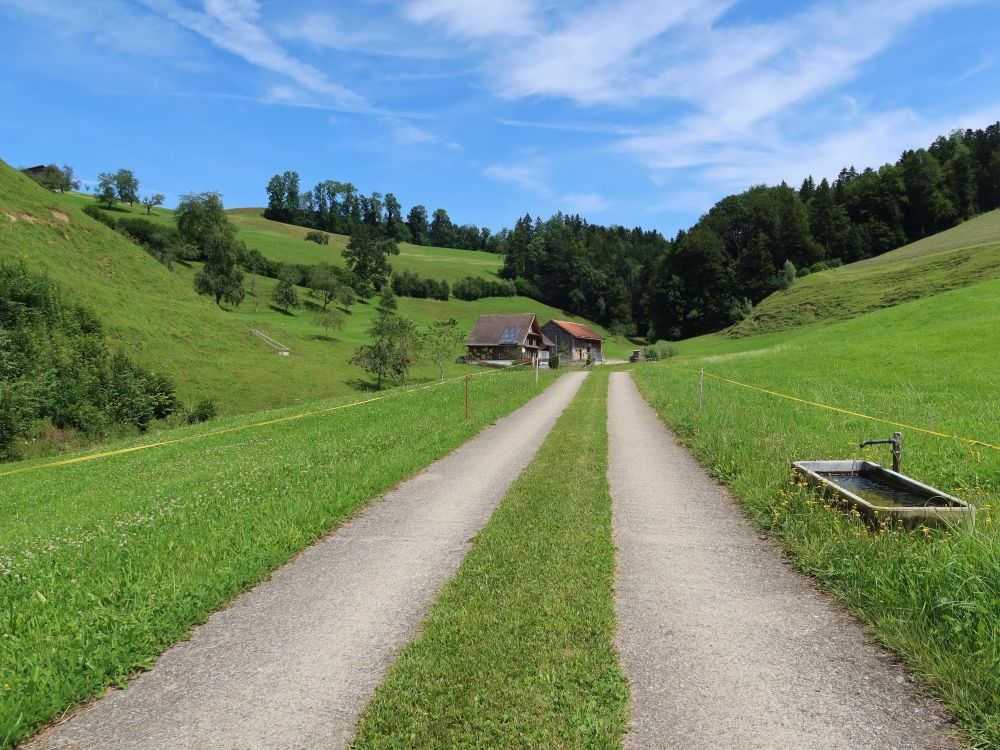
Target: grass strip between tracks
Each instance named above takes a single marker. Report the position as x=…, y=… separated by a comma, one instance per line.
x=517, y=652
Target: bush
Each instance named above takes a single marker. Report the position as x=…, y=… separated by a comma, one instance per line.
x=525, y=288
x=786, y=276
x=409, y=284
x=203, y=411
x=55, y=366
x=320, y=238
x=473, y=288
x=554, y=362
x=163, y=243
x=95, y=212
x=661, y=350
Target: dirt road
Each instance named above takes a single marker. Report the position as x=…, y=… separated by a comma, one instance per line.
x=725, y=646
x=292, y=663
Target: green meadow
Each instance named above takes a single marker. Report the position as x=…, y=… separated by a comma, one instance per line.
x=156, y=317
x=931, y=596
x=106, y=563
x=959, y=257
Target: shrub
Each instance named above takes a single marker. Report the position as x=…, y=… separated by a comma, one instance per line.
x=203, y=411
x=554, y=362
x=473, y=288
x=95, y=212
x=786, y=276
x=661, y=350
x=55, y=365
x=320, y=238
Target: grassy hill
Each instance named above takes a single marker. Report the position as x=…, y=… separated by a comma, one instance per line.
x=931, y=363
x=156, y=316
x=958, y=257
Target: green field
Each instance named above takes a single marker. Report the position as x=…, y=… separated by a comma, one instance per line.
x=162, y=324
x=933, y=596
x=967, y=254
x=517, y=651
x=106, y=563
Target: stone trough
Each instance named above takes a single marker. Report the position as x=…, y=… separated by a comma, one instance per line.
x=882, y=494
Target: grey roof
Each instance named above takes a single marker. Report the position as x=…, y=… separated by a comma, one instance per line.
x=496, y=330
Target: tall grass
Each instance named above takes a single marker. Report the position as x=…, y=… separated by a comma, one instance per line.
x=932, y=596
x=517, y=652
x=104, y=564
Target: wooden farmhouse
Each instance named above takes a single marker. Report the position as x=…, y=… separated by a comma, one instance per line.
x=515, y=339
x=574, y=341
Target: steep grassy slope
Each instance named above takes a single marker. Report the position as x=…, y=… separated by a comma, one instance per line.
x=164, y=325
x=967, y=254
x=932, y=363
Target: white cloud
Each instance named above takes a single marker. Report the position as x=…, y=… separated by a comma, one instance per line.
x=232, y=25
x=584, y=203
x=476, y=19
x=526, y=175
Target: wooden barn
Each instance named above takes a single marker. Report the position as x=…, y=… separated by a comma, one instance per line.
x=516, y=339
x=574, y=341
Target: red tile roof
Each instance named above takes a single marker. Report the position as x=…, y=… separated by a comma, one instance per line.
x=578, y=330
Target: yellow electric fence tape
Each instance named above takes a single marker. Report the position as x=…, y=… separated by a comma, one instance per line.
x=251, y=425
x=819, y=405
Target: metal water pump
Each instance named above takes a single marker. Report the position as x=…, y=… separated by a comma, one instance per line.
x=896, y=441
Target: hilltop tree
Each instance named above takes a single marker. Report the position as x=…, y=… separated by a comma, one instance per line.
x=394, y=225
x=367, y=254
x=105, y=191
x=151, y=201
x=126, y=186
x=442, y=229
x=57, y=180
x=416, y=222
x=442, y=341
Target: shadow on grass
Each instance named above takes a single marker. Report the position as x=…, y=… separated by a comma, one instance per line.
x=367, y=386
x=282, y=311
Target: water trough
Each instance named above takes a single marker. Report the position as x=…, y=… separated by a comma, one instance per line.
x=882, y=494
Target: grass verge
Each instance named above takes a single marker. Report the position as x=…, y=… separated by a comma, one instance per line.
x=105, y=564
x=517, y=651
x=931, y=596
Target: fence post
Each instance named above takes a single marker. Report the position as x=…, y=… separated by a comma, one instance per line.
x=701, y=387
x=537, y=365
x=466, y=397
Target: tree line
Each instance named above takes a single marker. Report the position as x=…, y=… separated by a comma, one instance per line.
x=339, y=207
x=750, y=244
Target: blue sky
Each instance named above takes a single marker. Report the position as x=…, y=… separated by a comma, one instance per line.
x=634, y=112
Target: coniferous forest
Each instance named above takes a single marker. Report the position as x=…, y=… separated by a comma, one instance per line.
x=748, y=245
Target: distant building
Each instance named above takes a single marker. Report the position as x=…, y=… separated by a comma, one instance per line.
x=506, y=338
x=574, y=341
x=36, y=171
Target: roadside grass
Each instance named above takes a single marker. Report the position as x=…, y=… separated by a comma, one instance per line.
x=105, y=564
x=931, y=596
x=517, y=651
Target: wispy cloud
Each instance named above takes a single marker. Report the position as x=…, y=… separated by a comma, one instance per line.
x=525, y=175
x=476, y=18
x=977, y=69
x=584, y=203
x=232, y=26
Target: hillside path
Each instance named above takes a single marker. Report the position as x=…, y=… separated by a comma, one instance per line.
x=724, y=644
x=293, y=662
